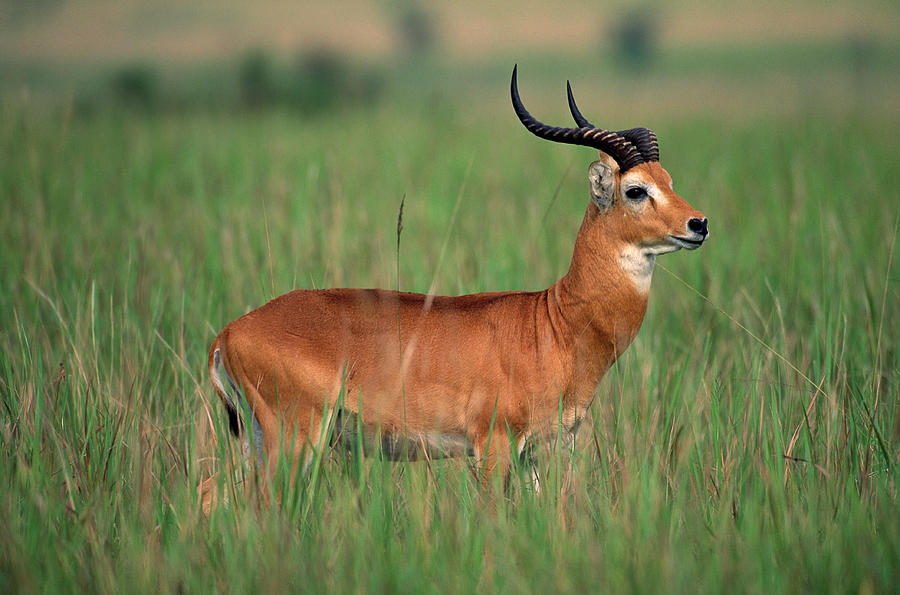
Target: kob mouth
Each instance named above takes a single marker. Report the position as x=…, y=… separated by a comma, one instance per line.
x=687, y=243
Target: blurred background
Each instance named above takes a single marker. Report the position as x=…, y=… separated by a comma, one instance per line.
x=168, y=165
x=632, y=60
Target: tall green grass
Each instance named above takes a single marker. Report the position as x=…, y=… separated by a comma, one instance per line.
x=748, y=440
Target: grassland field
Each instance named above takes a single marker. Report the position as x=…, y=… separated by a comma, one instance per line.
x=748, y=440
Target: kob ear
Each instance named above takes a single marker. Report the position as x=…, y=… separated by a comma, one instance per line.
x=602, y=175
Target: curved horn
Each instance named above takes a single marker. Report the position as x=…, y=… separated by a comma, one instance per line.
x=611, y=143
x=576, y=113
x=643, y=138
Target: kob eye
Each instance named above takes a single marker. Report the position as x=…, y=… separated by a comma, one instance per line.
x=636, y=193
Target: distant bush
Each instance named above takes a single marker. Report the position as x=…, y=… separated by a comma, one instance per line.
x=319, y=79
x=256, y=79
x=862, y=50
x=136, y=85
x=635, y=35
x=323, y=79
x=416, y=30
x=316, y=81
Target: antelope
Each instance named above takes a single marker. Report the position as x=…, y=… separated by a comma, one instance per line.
x=478, y=375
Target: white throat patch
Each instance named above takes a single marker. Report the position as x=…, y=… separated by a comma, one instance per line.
x=638, y=265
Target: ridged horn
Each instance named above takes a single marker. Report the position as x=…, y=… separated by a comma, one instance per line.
x=642, y=138
x=612, y=143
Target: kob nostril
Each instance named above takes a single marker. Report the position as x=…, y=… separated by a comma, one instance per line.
x=698, y=226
